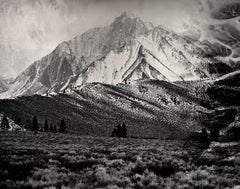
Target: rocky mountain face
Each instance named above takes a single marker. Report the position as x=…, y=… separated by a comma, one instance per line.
x=127, y=50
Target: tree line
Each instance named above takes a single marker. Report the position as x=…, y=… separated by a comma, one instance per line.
x=34, y=125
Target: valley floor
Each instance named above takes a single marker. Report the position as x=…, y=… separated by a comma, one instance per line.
x=48, y=160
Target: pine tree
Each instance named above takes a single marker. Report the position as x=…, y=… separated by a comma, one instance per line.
x=34, y=124
x=46, y=126
x=119, y=130
x=124, y=130
x=4, y=123
x=62, y=127
x=51, y=128
x=54, y=128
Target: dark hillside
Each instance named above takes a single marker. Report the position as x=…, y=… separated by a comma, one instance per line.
x=150, y=109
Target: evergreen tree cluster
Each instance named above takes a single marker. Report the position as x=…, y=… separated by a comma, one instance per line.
x=34, y=126
x=120, y=131
x=51, y=128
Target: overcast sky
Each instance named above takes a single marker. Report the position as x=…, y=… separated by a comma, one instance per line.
x=29, y=29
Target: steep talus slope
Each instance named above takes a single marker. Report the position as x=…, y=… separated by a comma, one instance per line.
x=150, y=108
x=126, y=50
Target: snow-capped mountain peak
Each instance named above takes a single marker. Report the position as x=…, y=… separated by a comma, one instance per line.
x=128, y=49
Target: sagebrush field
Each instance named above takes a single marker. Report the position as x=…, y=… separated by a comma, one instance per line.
x=48, y=160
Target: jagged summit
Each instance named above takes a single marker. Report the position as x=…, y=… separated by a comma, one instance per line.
x=125, y=15
x=126, y=50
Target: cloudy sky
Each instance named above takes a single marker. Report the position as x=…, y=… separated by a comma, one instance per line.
x=30, y=29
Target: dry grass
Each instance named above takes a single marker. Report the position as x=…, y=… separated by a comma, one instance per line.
x=49, y=160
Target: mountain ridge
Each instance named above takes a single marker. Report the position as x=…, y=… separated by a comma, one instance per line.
x=106, y=54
